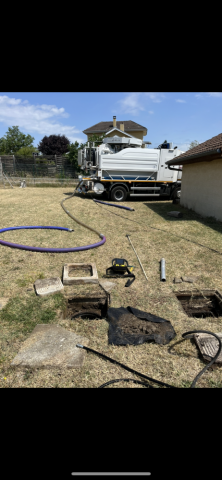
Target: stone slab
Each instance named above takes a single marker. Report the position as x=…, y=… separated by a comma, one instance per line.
x=189, y=279
x=177, y=280
x=107, y=286
x=48, y=286
x=79, y=280
x=175, y=214
x=51, y=346
x=3, y=302
x=208, y=345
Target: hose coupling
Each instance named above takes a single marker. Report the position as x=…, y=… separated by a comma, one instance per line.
x=70, y=230
x=78, y=345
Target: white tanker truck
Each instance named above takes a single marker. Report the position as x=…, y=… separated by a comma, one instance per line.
x=120, y=167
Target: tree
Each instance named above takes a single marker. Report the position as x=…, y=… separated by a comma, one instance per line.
x=54, y=145
x=26, y=151
x=13, y=140
x=193, y=144
x=73, y=154
x=2, y=146
x=98, y=139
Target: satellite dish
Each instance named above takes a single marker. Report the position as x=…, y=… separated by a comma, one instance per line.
x=98, y=188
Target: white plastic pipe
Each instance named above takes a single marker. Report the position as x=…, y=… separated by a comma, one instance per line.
x=162, y=270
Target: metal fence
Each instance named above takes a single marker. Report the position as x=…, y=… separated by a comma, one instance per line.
x=37, y=181
x=51, y=166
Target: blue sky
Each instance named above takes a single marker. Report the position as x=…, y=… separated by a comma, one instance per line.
x=176, y=117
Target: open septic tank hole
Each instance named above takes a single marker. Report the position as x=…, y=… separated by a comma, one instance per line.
x=87, y=303
x=201, y=305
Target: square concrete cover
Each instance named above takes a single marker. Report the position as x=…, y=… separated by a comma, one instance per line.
x=208, y=345
x=80, y=280
x=48, y=285
x=51, y=346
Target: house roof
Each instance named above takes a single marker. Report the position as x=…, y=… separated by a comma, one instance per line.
x=118, y=130
x=101, y=127
x=206, y=151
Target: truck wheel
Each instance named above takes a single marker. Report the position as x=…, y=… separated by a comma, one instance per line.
x=118, y=194
x=175, y=197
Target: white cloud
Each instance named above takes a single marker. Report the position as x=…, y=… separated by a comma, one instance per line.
x=209, y=94
x=151, y=112
x=214, y=94
x=183, y=146
x=131, y=104
x=181, y=101
x=156, y=97
x=42, y=119
x=135, y=102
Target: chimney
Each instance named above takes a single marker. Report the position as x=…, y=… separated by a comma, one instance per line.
x=114, y=121
x=121, y=127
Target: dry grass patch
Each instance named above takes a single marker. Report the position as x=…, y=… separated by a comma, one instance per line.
x=20, y=269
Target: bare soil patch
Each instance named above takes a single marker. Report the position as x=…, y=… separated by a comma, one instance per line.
x=133, y=325
x=201, y=306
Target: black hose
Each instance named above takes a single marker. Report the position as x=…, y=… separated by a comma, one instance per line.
x=125, y=380
x=152, y=379
x=212, y=361
x=112, y=205
x=125, y=367
x=165, y=231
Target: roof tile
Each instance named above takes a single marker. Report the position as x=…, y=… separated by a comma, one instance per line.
x=210, y=145
x=129, y=125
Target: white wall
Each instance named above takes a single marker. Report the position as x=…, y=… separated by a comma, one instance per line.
x=201, y=188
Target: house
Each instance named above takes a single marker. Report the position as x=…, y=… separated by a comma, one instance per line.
x=124, y=128
x=201, y=186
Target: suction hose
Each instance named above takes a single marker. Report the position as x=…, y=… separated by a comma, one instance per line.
x=152, y=379
x=76, y=219
x=55, y=250
x=112, y=205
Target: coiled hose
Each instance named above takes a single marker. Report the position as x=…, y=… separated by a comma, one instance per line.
x=55, y=250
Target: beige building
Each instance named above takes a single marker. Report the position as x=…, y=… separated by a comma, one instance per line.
x=201, y=185
x=123, y=128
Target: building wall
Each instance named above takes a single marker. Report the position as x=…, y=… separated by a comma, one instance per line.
x=201, y=188
x=137, y=134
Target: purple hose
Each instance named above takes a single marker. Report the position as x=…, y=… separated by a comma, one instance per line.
x=112, y=205
x=54, y=250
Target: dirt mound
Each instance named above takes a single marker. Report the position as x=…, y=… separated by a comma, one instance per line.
x=128, y=329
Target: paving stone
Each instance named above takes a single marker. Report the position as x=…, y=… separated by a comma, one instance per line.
x=208, y=345
x=3, y=302
x=48, y=286
x=51, y=346
x=107, y=286
x=177, y=280
x=189, y=279
x=175, y=214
